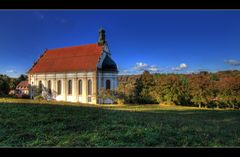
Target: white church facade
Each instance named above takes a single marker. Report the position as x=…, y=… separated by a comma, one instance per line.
x=75, y=74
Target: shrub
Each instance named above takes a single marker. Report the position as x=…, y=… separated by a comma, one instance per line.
x=120, y=101
x=39, y=97
x=168, y=103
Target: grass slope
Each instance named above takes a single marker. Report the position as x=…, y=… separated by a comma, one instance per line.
x=28, y=123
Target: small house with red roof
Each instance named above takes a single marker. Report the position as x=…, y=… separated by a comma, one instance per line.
x=75, y=74
x=22, y=89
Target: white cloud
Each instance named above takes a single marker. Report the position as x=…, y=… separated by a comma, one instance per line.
x=232, y=62
x=180, y=67
x=11, y=71
x=153, y=68
x=140, y=66
x=183, y=65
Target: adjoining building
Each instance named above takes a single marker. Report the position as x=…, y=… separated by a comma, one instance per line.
x=22, y=89
x=75, y=74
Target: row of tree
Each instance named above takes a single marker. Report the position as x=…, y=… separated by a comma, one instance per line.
x=7, y=83
x=221, y=89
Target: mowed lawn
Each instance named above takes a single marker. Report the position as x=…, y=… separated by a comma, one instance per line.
x=29, y=123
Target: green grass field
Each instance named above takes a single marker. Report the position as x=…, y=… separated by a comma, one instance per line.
x=29, y=123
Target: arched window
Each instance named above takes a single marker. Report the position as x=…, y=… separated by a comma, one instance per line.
x=108, y=84
x=59, y=87
x=70, y=87
x=80, y=87
x=49, y=86
x=89, y=87
x=40, y=86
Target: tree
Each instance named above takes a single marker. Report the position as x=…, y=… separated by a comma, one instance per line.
x=4, y=85
x=126, y=87
x=22, y=77
x=229, y=91
x=200, y=90
x=12, y=83
x=143, y=86
x=172, y=89
x=107, y=94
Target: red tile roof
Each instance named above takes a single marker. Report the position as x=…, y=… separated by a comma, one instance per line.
x=22, y=84
x=69, y=59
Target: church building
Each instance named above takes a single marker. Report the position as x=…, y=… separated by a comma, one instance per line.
x=75, y=74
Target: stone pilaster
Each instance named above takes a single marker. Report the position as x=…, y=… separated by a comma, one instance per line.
x=99, y=83
x=64, y=89
x=54, y=87
x=77, y=94
x=84, y=89
x=94, y=89
x=74, y=92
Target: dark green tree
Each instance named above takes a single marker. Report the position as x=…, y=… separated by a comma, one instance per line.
x=22, y=77
x=4, y=85
x=143, y=87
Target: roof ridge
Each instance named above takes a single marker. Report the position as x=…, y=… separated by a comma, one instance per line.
x=74, y=46
x=71, y=56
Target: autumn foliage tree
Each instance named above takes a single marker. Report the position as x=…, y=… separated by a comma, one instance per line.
x=200, y=89
x=171, y=89
x=143, y=87
x=221, y=89
x=229, y=91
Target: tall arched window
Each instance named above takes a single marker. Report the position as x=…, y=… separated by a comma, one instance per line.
x=49, y=86
x=70, y=87
x=89, y=87
x=40, y=86
x=59, y=87
x=108, y=84
x=80, y=87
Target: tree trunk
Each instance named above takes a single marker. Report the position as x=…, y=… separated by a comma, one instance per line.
x=199, y=105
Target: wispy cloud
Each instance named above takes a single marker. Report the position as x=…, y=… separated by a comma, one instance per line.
x=191, y=71
x=139, y=67
x=11, y=71
x=232, y=62
x=44, y=16
x=40, y=15
x=180, y=67
x=126, y=72
x=153, y=68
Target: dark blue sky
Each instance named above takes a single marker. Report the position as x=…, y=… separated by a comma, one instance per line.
x=158, y=40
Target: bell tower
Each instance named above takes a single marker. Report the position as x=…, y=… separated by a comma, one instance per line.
x=101, y=39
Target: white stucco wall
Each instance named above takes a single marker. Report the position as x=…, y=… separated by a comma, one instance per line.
x=64, y=77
